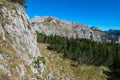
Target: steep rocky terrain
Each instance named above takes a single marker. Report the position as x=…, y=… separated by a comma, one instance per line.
x=53, y=26
x=18, y=44
x=21, y=55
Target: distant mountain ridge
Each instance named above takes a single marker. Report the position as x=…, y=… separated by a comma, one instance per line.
x=54, y=26
x=114, y=32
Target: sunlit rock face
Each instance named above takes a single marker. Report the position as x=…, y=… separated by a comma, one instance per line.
x=18, y=44
x=54, y=26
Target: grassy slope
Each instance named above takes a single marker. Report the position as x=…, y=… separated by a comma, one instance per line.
x=63, y=70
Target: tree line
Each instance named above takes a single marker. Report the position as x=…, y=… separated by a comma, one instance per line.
x=85, y=51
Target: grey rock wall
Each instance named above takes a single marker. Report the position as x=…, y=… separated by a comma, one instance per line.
x=18, y=36
x=54, y=26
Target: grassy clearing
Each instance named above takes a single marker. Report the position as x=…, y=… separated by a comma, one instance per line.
x=62, y=68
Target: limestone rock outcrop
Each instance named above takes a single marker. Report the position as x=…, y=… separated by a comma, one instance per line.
x=18, y=44
x=54, y=26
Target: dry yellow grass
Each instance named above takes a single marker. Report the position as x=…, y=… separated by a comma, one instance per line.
x=55, y=65
x=7, y=4
x=62, y=68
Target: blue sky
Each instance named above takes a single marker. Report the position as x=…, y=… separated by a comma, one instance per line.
x=104, y=14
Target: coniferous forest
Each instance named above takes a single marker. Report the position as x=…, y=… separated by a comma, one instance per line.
x=85, y=51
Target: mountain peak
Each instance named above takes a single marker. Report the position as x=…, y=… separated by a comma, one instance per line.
x=94, y=28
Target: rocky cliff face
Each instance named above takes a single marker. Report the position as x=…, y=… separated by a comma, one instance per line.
x=53, y=26
x=18, y=44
